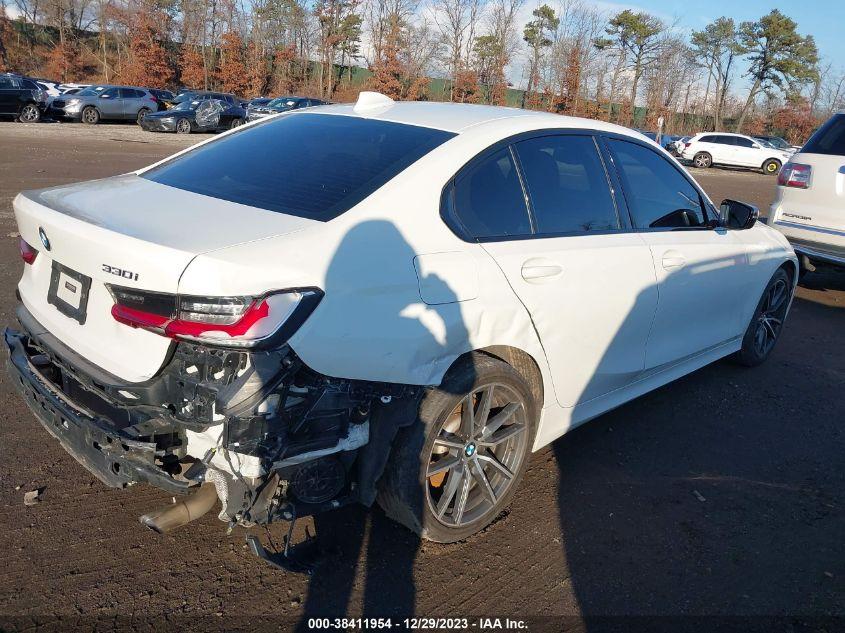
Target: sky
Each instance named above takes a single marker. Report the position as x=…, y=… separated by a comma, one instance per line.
x=823, y=19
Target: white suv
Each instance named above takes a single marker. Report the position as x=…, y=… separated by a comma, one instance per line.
x=810, y=204
x=383, y=300
x=733, y=150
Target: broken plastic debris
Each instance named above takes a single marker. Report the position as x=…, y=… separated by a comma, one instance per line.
x=32, y=497
x=698, y=495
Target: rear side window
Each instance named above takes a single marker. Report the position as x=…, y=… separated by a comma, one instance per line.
x=658, y=195
x=313, y=166
x=829, y=138
x=567, y=184
x=487, y=198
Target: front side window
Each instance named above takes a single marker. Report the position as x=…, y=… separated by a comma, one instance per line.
x=111, y=93
x=488, y=200
x=658, y=195
x=743, y=142
x=567, y=184
x=314, y=166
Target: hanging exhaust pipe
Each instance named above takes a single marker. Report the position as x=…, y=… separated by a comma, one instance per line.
x=183, y=511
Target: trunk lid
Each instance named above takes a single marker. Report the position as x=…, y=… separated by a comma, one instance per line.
x=126, y=231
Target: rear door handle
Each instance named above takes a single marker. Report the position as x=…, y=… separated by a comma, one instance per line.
x=536, y=271
x=673, y=259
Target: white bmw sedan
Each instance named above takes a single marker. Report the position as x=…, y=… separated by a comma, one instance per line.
x=392, y=301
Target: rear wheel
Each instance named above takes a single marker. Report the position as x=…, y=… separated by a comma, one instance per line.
x=90, y=115
x=766, y=324
x=141, y=114
x=237, y=123
x=771, y=167
x=30, y=113
x=183, y=126
x=454, y=470
x=702, y=160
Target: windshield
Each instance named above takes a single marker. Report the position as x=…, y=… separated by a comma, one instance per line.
x=185, y=96
x=345, y=158
x=282, y=103
x=779, y=143
x=91, y=91
x=186, y=105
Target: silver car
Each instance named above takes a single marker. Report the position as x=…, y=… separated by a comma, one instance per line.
x=97, y=103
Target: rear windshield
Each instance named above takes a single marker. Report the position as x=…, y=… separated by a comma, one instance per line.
x=829, y=138
x=313, y=166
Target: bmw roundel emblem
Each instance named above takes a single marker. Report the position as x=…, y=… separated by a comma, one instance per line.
x=44, y=239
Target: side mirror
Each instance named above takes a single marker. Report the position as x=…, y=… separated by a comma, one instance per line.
x=105, y=96
x=738, y=215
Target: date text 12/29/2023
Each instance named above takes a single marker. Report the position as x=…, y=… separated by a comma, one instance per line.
x=419, y=624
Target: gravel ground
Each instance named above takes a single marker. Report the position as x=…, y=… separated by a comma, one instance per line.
x=721, y=494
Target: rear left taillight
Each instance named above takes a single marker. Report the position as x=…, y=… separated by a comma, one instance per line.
x=228, y=321
x=28, y=254
x=795, y=175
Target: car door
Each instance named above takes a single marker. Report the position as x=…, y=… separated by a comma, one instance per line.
x=133, y=101
x=110, y=104
x=586, y=280
x=701, y=268
x=747, y=152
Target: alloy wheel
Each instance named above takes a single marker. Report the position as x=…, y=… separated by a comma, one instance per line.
x=701, y=161
x=183, y=126
x=29, y=114
x=770, y=319
x=475, y=455
x=90, y=115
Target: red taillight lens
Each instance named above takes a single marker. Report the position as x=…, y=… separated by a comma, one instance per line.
x=230, y=321
x=795, y=175
x=28, y=254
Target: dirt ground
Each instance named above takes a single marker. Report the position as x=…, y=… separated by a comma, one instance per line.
x=721, y=494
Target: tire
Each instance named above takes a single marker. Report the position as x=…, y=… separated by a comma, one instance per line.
x=767, y=322
x=90, y=115
x=29, y=114
x=703, y=160
x=236, y=123
x=422, y=470
x=771, y=167
x=141, y=114
x=183, y=126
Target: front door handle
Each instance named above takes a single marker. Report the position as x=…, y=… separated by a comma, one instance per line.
x=539, y=270
x=673, y=259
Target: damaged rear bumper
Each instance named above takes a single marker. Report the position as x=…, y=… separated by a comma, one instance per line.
x=112, y=455
x=275, y=438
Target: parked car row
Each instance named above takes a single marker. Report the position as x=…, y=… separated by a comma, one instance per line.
x=206, y=111
x=257, y=111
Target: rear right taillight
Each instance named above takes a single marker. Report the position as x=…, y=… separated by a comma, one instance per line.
x=795, y=175
x=28, y=254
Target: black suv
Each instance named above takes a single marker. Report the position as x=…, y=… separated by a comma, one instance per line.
x=21, y=98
